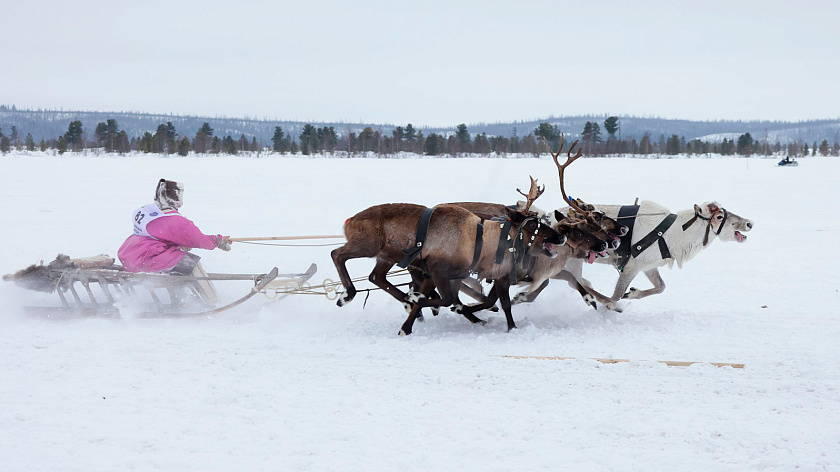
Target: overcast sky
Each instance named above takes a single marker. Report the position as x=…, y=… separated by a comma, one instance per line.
x=428, y=63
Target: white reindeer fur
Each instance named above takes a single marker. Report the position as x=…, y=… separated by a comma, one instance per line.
x=683, y=246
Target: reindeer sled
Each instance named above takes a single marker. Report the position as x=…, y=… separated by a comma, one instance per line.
x=96, y=287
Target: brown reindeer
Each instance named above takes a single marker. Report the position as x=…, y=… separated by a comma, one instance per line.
x=387, y=232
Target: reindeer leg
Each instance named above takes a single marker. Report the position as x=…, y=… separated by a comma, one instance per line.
x=405, y=330
x=467, y=311
x=379, y=278
x=448, y=294
x=624, y=280
x=340, y=256
x=502, y=287
x=422, y=286
x=529, y=294
x=655, y=279
x=472, y=288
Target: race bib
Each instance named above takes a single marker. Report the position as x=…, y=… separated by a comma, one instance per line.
x=146, y=214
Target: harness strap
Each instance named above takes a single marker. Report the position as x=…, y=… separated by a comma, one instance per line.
x=720, y=226
x=628, y=214
x=479, y=244
x=503, y=246
x=654, y=236
x=422, y=229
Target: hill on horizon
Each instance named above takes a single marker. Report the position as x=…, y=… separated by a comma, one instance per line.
x=47, y=124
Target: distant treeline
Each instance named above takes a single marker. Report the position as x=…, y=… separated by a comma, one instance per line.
x=108, y=137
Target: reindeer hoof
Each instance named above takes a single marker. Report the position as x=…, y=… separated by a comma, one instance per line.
x=494, y=309
x=435, y=311
x=407, y=307
x=457, y=308
x=415, y=297
x=511, y=328
x=631, y=294
x=344, y=299
x=403, y=333
x=590, y=300
x=519, y=298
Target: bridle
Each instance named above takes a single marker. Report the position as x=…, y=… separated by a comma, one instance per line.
x=709, y=226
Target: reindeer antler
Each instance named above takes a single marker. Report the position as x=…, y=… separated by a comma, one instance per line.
x=562, y=167
x=533, y=194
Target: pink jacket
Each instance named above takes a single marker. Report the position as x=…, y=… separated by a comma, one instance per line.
x=142, y=254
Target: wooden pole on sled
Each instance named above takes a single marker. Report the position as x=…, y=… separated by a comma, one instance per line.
x=286, y=238
x=616, y=361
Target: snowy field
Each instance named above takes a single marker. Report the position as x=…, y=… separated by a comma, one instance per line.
x=302, y=385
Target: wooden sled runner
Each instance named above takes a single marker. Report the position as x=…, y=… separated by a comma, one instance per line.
x=94, y=287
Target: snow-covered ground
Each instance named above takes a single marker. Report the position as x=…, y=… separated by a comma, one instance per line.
x=301, y=384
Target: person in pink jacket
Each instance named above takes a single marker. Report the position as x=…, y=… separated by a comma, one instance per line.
x=162, y=236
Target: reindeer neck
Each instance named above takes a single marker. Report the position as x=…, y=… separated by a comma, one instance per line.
x=487, y=266
x=685, y=244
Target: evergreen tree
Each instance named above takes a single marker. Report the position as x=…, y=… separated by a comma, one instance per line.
x=42, y=145
x=611, y=125
x=591, y=135
x=201, y=143
x=481, y=144
x=367, y=140
x=414, y=141
x=327, y=138
x=550, y=133
x=207, y=130
x=309, y=139
x=435, y=144
x=228, y=145
x=745, y=144
x=463, y=137
x=74, y=137
x=146, y=143
x=280, y=142
x=122, y=144
x=672, y=146
x=15, y=137
x=30, y=143
x=645, y=146
x=184, y=146
x=61, y=145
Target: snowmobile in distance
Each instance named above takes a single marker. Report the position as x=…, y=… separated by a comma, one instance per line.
x=788, y=162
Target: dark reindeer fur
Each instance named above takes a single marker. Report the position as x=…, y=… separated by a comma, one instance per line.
x=385, y=231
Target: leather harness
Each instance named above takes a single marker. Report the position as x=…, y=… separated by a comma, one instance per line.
x=626, y=249
x=423, y=228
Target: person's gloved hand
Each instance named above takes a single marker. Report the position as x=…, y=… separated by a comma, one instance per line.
x=221, y=242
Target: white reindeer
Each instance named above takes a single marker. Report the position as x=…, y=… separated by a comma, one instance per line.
x=690, y=232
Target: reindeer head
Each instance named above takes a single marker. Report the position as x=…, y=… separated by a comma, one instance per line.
x=538, y=236
x=726, y=225
x=583, y=243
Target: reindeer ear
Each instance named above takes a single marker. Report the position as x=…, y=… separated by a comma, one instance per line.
x=558, y=215
x=698, y=210
x=514, y=215
x=713, y=207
